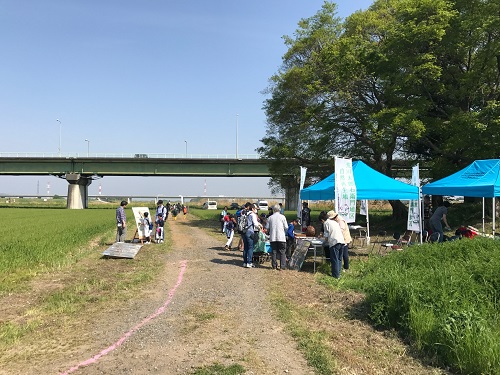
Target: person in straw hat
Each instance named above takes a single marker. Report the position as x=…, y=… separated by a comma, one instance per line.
x=336, y=242
x=347, y=240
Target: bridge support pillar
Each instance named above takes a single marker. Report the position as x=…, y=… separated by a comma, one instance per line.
x=291, y=198
x=78, y=193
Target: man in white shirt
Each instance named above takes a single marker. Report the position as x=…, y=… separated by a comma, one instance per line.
x=335, y=241
x=277, y=237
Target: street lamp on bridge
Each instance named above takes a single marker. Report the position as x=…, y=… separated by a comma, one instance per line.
x=186, y=149
x=59, y=135
x=88, y=147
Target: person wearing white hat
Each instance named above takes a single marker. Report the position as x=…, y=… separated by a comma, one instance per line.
x=336, y=242
x=347, y=240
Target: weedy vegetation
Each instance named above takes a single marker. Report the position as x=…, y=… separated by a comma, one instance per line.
x=442, y=298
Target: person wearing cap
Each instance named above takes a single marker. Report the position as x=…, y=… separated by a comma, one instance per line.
x=253, y=226
x=336, y=241
x=277, y=237
x=121, y=222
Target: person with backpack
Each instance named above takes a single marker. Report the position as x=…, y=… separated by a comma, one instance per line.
x=250, y=235
x=240, y=219
x=161, y=210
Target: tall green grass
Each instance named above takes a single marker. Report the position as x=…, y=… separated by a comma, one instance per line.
x=39, y=239
x=444, y=297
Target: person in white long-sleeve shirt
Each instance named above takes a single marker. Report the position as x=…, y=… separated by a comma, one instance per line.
x=335, y=241
x=277, y=237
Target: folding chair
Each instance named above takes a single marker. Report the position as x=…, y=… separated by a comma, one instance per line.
x=407, y=238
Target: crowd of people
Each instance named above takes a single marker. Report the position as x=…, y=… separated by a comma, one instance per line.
x=272, y=227
x=255, y=230
x=149, y=226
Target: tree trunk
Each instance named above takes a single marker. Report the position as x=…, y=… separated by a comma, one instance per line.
x=399, y=210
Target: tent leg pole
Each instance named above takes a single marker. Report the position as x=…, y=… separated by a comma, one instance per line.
x=494, y=216
x=483, y=216
x=367, y=225
x=420, y=213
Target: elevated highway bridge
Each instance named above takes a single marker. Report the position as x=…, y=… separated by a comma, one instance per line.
x=79, y=171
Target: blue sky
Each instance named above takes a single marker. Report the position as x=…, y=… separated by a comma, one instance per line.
x=141, y=77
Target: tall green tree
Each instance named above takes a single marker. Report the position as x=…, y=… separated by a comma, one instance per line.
x=404, y=79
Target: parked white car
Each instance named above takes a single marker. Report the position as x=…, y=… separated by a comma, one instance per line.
x=263, y=205
x=210, y=205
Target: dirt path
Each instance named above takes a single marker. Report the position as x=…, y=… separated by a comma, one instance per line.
x=207, y=309
x=219, y=313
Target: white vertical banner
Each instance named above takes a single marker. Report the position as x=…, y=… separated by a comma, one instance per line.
x=414, y=206
x=345, y=190
x=303, y=171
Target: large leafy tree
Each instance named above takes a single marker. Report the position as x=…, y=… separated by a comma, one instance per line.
x=404, y=79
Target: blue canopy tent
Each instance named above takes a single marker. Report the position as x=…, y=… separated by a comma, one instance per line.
x=370, y=185
x=479, y=179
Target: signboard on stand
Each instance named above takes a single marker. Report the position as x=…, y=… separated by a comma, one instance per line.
x=299, y=255
x=138, y=216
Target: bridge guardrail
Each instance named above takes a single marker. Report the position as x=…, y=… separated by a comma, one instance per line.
x=137, y=155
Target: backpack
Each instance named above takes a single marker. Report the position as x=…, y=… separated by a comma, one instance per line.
x=243, y=222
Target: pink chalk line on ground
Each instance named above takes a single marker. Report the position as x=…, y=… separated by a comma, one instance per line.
x=122, y=339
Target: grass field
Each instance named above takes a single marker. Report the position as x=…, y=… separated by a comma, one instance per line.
x=42, y=239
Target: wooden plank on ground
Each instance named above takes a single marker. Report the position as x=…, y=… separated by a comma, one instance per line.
x=122, y=250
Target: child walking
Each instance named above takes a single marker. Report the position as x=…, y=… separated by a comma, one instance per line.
x=146, y=228
x=160, y=223
x=229, y=228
